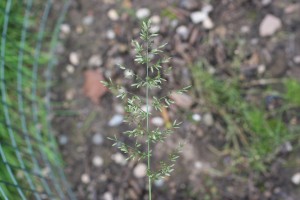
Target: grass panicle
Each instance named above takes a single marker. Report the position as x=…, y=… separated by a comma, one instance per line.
x=152, y=59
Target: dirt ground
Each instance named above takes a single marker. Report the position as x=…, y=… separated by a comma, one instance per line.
x=96, y=36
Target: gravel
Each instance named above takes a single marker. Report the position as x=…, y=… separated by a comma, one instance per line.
x=97, y=139
x=116, y=120
x=142, y=13
x=140, y=170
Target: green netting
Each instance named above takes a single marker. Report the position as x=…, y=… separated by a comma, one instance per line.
x=30, y=164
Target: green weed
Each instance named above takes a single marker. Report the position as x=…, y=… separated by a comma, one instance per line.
x=251, y=130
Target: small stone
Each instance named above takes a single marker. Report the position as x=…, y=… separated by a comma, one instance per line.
x=157, y=121
x=123, y=48
x=266, y=2
x=118, y=61
x=183, y=32
x=65, y=29
x=269, y=25
x=79, y=29
x=74, y=58
x=292, y=8
x=287, y=147
x=198, y=165
x=85, y=178
x=207, y=8
x=182, y=100
x=113, y=15
x=208, y=23
x=108, y=196
x=296, y=178
x=110, y=34
x=140, y=170
x=63, y=140
x=208, y=119
x=116, y=120
x=211, y=70
x=188, y=4
x=70, y=69
x=155, y=19
x=119, y=109
x=97, y=139
x=97, y=161
x=198, y=16
x=88, y=20
x=196, y=117
x=119, y=159
x=199, y=132
x=296, y=59
x=144, y=108
x=70, y=94
x=261, y=69
x=46, y=171
x=159, y=183
x=154, y=29
x=245, y=29
x=142, y=13
x=128, y=73
x=174, y=23
x=95, y=61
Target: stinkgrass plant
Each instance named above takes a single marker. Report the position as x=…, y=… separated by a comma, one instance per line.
x=143, y=135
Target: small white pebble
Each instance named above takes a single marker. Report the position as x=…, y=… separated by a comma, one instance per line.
x=116, y=120
x=119, y=159
x=198, y=165
x=113, y=15
x=208, y=119
x=245, y=29
x=266, y=2
x=140, y=170
x=107, y=196
x=65, y=28
x=154, y=29
x=70, y=69
x=95, y=61
x=207, y=8
x=110, y=34
x=208, y=23
x=74, y=58
x=198, y=17
x=159, y=183
x=157, y=121
x=97, y=139
x=119, y=109
x=211, y=70
x=183, y=31
x=296, y=178
x=144, y=108
x=296, y=59
x=155, y=19
x=63, y=140
x=85, y=178
x=174, y=23
x=196, y=117
x=142, y=13
x=70, y=94
x=97, y=161
x=88, y=20
x=261, y=69
x=288, y=146
x=128, y=73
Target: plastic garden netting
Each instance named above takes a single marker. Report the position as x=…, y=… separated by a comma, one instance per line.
x=30, y=163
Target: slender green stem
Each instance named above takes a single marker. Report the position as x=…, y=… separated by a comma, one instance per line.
x=147, y=103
